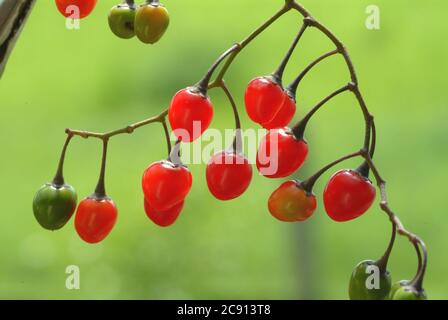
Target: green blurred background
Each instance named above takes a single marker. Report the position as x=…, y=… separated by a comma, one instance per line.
x=88, y=79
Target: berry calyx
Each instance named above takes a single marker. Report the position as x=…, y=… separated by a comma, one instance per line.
x=163, y=218
x=280, y=153
x=166, y=184
x=95, y=218
x=83, y=7
x=363, y=284
x=228, y=175
x=348, y=195
x=190, y=114
x=292, y=203
x=151, y=22
x=54, y=205
x=264, y=98
x=284, y=115
x=121, y=20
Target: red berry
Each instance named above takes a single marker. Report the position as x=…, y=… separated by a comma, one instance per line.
x=228, y=175
x=284, y=115
x=163, y=218
x=190, y=114
x=291, y=203
x=280, y=154
x=95, y=219
x=264, y=97
x=166, y=185
x=85, y=7
x=348, y=195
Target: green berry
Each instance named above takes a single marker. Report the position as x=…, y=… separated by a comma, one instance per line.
x=367, y=282
x=53, y=205
x=121, y=21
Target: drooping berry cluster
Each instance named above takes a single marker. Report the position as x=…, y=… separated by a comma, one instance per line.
x=282, y=151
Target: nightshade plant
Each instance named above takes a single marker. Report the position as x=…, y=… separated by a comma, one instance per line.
x=166, y=183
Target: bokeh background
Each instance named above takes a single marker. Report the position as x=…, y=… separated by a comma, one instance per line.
x=88, y=79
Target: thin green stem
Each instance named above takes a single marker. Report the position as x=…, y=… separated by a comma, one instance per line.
x=292, y=88
x=309, y=183
x=100, y=190
x=58, y=179
x=278, y=74
x=299, y=128
x=237, y=143
x=383, y=261
x=167, y=135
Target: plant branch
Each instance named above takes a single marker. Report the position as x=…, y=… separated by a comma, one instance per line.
x=58, y=179
x=237, y=143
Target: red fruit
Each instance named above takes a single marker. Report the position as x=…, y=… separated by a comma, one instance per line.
x=190, y=114
x=228, y=175
x=280, y=154
x=95, y=219
x=264, y=97
x=284, y=115
x=85, y=7
x=163, y=218
x=348, y=195
x=291, y=203
x=166, y=185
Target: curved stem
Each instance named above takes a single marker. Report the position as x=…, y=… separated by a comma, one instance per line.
x=299, y=128
x=237, y=143
x=204, y=82
x=292, y=88
x=100, y=191
x=309, y=183
x=167, y=136
x=417, y=282
x=58, y=179
x=287, y=7
x=382, y=262
x=278, y=74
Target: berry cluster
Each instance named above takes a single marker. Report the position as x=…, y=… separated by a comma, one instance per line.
x=283, y=150
x=148, y=21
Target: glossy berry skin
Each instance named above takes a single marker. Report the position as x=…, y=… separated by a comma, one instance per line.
x=165, y=218
x=166, y=185
x=348, y=195
x=396, y=286
x=280, y=154
x=190, y=114
x=358, y=289
x=85, y=7
x=284, y=115
x=121, y=21
x=53, y=206
x=263, y=98
x=228, y=175
x=151, y=22
x=291, y=203
x=95, y=219
x=408, y=292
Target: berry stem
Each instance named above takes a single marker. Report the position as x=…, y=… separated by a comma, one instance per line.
x=278, y=74
x=204, y=82
x=299, y=128
x=292, y=88
x=100, y=190
x=237, y=143
x=309, y=183
x=383, y=261
x=58, y=179
x=167, y=136
x=401, y=230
